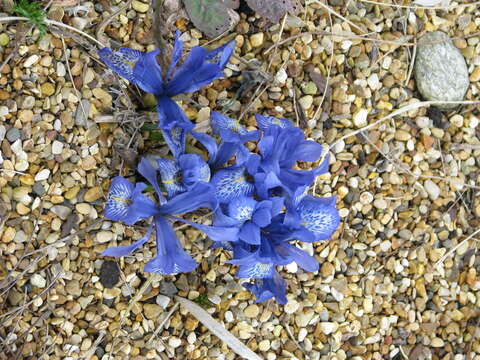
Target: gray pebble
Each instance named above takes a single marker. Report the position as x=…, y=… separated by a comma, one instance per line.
x=440, y=70
x=168, y=288
x=61, y=211
x=38, y=189
x=80, y=118
x=28, y=102
x=13, y=135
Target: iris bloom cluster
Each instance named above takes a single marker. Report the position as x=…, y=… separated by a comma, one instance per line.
x=259, y=200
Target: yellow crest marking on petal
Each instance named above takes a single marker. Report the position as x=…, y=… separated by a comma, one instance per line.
x=116, y=198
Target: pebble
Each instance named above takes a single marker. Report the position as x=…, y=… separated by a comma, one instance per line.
x=93, y=194
x=360, y=118
x=61, y=211
x=264, y=345
x=140, y=6
x=81, y=117
x=162, y=301
x=306, y=102
x=31, y=60
x=328, y=327
x=152, y=311
x=309, y=88
x=291, y=306
x=13, y=135
x=440, y=70
x=79, y=22
x=57, y=147
x=38, y=189
x=432, y=189
x=256, y=40
x=48, y=89
x=437, y=342
x=251, y=311
x=104, y=236
x=4, y=39
x=109, y=274
x=38, y=281
x=42, y=175
x=174, y=342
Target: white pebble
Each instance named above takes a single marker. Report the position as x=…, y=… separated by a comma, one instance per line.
x=360, y=118
x=57, y=147
x=38, y=281
x=281, y=76
x=432, y=189
x=328, y=327
x=31, y=60
x=174, y=342
x=42, y=175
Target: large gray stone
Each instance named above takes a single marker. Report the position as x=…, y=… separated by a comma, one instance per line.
x=440, y=69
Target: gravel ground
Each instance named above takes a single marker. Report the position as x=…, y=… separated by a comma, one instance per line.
x=397, y=281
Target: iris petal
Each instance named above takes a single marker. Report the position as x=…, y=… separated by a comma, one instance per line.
x=319, y=215
x=170, y=176
x=305, y=261
x=118, y=199
x=171, y=258
x=200, y=195
x=265, y=122
x=148, y=73
x=121, y=61
x=118, y=251
x=231, y=183
x=125, y=202
x=241, y=208
x=176, y=54
x=256, y=270
x=264, y=289
x=216, y=233
x=146, y=169
x=250, y=233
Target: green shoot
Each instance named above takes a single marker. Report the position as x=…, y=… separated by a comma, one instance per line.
x=34, y=12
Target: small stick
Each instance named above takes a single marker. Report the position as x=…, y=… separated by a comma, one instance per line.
x=412, y=63
x=164, y=321
x=421, y=7
x=79, y=96
x=331, y=11
x=442, y=259
x=54, y=23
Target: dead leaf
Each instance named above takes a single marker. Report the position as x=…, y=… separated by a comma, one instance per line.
x=420, y=352
x=321, y=82
x=218, y=330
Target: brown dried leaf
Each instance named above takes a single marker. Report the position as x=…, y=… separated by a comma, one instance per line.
x=321, y=82
x=420, y=352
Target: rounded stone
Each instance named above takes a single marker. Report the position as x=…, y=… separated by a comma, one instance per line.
x=109, y=274
x=251, y=311
x=48, y=89
x=13, y=135
x=441, y=72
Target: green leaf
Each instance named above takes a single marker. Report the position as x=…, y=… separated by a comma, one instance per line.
x=156, y=136
x=149, y=127
x=212, y=17
x=34, y=12
x=202, y=300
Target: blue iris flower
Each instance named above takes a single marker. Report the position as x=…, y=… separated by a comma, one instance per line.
x=200, y=68
x=249, y=216
x=180, y=175
x=234, y=136
x=127, y=203
x=281, y=147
